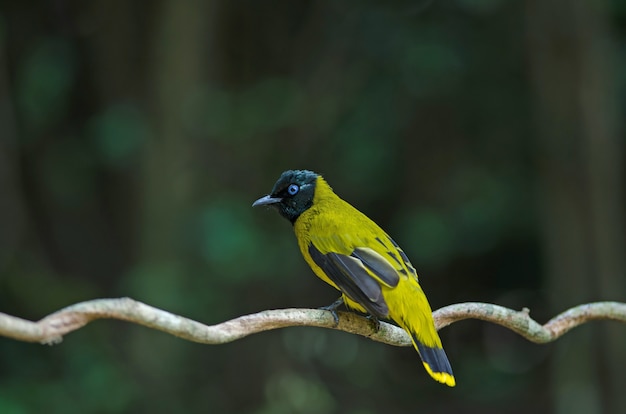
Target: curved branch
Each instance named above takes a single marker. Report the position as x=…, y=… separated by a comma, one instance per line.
x=53, y=327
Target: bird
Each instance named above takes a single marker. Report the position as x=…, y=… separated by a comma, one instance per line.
x=350, y=252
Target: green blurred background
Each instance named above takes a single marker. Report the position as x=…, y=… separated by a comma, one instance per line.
x=486, y=136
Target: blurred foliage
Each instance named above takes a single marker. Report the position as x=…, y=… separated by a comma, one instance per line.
x=135, y=137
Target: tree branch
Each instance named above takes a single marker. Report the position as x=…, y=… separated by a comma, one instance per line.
x=53, y=327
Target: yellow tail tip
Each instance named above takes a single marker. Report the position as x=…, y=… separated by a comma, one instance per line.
x=442, y=377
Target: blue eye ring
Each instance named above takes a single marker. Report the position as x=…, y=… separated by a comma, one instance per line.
x=293, y=189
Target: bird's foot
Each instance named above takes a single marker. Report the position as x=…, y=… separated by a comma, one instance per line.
x=332, y=308
x=375, y=322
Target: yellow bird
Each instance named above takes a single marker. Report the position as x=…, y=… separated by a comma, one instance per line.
x=351, y=253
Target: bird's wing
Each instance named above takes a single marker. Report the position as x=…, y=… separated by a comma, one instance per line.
x=359, y=272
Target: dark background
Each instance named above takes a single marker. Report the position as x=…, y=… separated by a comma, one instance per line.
x=486, y=136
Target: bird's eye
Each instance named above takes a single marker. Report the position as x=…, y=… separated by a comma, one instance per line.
x=293, y=189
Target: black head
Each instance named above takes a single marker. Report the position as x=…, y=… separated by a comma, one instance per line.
x=292, y=194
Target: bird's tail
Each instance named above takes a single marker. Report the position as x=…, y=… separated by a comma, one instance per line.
x=417, y=320
x=435, y=361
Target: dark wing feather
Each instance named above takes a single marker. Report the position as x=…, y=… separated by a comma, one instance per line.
x=352, y=278
x=405, y=259
x=378, y=265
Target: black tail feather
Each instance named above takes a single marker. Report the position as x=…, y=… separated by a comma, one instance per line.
x=436, y=362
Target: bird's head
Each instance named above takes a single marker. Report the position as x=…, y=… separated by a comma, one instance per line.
x=292, y=194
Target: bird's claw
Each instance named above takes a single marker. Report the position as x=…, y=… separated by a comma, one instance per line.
x=332, y=308
x=375, y=322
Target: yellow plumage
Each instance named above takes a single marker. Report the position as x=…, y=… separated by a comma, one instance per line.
x=350, y=252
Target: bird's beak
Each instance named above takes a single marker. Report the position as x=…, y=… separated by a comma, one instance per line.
x=265, y=200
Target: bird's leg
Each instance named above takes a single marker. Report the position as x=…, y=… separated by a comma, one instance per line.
x=332, y=308
x=375, y=322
